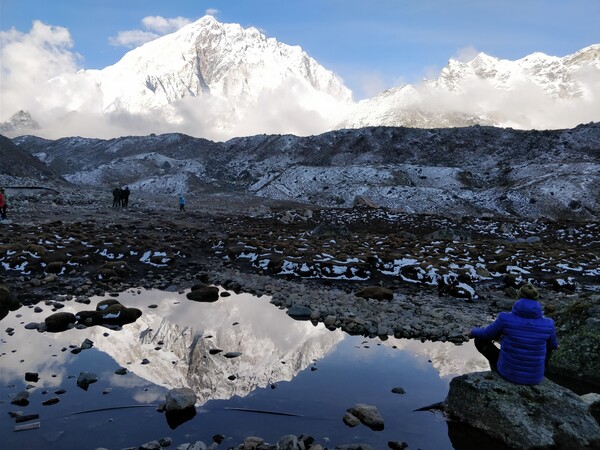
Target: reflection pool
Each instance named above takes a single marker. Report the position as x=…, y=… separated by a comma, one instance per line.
x=255, y=371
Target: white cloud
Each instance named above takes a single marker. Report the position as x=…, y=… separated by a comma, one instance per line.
x=28, y=60
x=212, y=12
x=154, y=27
x=132, y=38
x=164, y=25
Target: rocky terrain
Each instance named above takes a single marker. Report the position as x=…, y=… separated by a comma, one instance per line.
x=435, y=277
x=383, y=232
x=473, y=171
x=367, y=271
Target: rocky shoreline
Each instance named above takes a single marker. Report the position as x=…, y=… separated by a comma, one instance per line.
x=367, y=272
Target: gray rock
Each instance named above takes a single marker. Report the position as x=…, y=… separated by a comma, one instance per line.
x=198, y=445
x=251, y=442
x=544, y=416
x=152, y=445
x=351, y=420
x=368, y=415
x=85, y=379
x=179, y=399
x=299, y=312
x=289, y=442
x=398, y=390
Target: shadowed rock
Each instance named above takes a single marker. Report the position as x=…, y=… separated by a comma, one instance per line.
x=544, y=416
x=204, y=294
x=368, y=415
x=375, y=292
x=60, y=321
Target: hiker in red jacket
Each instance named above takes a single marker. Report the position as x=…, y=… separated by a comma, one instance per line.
x=2, y=204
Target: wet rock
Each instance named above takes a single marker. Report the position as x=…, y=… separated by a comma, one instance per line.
x=54, y=267
x=351, y=420
x=109, y=312
x=289, y=442
x=21, y=399
x=51, y=401
x=368, y=415
x=252, y=442
x=60, y=321
x=179, y=399
x=544, y=416
x=165, y=442
x=152, y=445
x=394, y=445
x=375, y=292
x=398, y=390
x=85, y=379
x=299, y=312
x=32, y=377
x=86, y=344
x=204, y=294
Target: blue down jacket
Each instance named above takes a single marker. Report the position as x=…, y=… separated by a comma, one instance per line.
x=524, y=335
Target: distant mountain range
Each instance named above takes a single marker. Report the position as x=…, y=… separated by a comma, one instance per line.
x=219, y=81
x=457, y=171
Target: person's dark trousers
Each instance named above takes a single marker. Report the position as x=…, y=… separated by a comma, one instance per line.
x=488, y=349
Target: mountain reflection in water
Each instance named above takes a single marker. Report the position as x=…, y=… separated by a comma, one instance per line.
x=180, y=340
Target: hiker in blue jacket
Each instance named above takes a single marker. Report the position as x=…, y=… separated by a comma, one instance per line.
x=527, y=339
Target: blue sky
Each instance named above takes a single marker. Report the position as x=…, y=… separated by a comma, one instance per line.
x=370, y=44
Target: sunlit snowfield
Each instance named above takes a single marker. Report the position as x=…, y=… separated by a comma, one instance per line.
x=306, y=372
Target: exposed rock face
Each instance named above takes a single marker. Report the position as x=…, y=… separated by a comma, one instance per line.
x=578, y=327
x=545, y=416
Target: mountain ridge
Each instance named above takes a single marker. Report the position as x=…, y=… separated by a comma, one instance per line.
x=470, y=171
x=219, y=81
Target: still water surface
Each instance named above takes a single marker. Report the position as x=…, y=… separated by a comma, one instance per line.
x=285, y=366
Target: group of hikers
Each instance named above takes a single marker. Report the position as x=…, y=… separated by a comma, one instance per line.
x=2, y=204
x=121, y=197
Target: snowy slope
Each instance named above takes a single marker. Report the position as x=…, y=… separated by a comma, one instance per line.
x=526, y=93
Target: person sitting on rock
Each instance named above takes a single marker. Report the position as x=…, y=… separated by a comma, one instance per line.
x=526, y=337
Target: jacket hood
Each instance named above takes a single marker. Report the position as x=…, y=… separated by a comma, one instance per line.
x=528, y=308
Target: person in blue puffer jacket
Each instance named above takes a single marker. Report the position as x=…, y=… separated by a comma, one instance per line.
x=527, y=339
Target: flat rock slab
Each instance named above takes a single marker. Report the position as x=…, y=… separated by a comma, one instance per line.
x=544, y=416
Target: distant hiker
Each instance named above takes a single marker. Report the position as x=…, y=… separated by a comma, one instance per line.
x=2, y=204
x=526, y=337
x=181, y=203
x=116, y=197
x=125, y=197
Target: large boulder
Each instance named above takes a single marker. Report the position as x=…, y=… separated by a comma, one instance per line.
x=60, y=321
x=578, y=328
x=204, y=294
x=545, y=416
